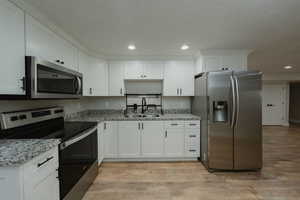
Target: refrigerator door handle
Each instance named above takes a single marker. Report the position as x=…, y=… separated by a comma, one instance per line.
x=233, y=114
x=237, y=99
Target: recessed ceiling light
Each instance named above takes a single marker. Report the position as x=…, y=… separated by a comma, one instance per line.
x=185, y=47
x=288, y=67
x=131, y=47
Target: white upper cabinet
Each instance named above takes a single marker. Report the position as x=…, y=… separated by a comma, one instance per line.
x=153, y=70
x=12, y=51
x=149, y=70
x=133, y=70
x=179, y=78
x=95, y=82
x=42, y=42
x=224, y=60
x=116, y=79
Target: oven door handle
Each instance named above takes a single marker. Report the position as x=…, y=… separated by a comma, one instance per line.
x=77, y=138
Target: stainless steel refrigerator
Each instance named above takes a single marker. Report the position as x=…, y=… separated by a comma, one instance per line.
x=229, y=104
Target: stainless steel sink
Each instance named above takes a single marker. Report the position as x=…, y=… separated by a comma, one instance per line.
x=142, y=116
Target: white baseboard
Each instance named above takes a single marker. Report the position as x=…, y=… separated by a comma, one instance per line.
x=149, y=159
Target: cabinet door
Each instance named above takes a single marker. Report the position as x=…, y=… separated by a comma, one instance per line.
x=133, y=70
x=174, y=143
x=68, y=54
x=12, y=51
x=84, y=66
x=100, y=143
x=110, y=139
x=153, y=70
x=152, y=141
x=98, y=76
x=212, y=63
x=171, y=78
x=48, y=189
x=129, y=139
x=116, y=79
x=186, y=81
x=234, y=62
x=192, y=142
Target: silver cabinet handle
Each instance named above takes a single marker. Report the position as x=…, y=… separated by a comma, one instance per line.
x=193, y=124
x=91, y=91
x=142, y=126
x=104, y=126
x=166, y=134
x=47, y=160
x=177, y=91
x=192, y=136
x=174, y=124
x=139, y=126
x=180, y=91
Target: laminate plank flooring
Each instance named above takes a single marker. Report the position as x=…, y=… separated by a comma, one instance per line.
x=278, y=180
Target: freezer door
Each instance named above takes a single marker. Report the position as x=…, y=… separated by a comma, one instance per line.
x=248, y=125
x=220, y=133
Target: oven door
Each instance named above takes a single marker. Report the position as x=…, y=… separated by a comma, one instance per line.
x=48, y=80
x=77, y=156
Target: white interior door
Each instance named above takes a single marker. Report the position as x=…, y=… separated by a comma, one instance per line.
x=272, y=105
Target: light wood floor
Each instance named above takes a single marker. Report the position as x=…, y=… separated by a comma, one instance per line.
x=279, y=179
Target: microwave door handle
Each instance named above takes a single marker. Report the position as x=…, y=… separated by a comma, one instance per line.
x=233, y=114
x=78, y=138
x=79, y=85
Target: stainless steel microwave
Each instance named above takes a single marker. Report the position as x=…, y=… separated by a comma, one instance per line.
x=46, y=80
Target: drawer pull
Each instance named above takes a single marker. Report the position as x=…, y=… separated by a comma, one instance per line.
x=193, y=124
x=192, y=136
x=174, y=124
x=192, y=150
x=47, y=160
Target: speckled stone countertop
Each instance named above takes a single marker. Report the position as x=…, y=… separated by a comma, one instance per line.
x=120, y=117
x=14, y=153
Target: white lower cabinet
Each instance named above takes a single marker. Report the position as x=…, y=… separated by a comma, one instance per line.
x=152, y=139
x=35, y=180
x=110, y=139
x=192, y=142
x=129, y=139
x=174, y=142
x=100, y=143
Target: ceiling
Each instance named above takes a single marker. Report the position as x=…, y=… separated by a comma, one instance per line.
x=159, y=27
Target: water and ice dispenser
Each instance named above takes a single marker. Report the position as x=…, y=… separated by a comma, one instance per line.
x=220, y=111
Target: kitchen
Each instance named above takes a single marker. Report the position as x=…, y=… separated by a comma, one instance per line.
x=98, y=105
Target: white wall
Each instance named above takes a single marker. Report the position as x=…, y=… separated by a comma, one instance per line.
x=117, y=103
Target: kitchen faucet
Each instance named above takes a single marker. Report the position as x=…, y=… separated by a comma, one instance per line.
x=144, y=104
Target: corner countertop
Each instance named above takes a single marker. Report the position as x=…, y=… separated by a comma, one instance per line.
x=120, y=117
x=14, y=153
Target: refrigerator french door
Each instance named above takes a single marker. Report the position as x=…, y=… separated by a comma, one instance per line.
x=229, y=104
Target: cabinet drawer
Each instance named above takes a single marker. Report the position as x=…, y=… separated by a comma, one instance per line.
x=174, y=124
x=41, y=167
x=192, y=124
x=192, y=143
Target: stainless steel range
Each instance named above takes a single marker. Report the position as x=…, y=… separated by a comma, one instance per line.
x=78, y=151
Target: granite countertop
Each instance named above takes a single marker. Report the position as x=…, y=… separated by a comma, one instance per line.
x=120, y=117
x=14, y=153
